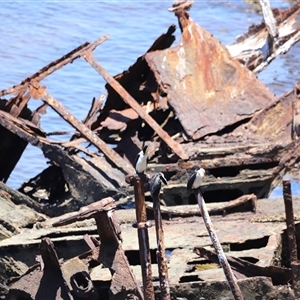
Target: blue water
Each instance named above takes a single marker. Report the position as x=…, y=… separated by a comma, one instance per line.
x=35, y=33
x=295, y=188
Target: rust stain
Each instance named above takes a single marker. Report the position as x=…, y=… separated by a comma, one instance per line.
x=36, y=91
x=273, y=122
x=204, y=84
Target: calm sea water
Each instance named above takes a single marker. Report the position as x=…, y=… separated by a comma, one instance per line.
x=36, y=33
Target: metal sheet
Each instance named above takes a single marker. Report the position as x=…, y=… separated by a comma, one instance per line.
x=207, y=88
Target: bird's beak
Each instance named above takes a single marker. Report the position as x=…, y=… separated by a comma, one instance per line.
x=146, y=150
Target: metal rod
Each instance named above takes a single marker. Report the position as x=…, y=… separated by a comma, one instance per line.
x=291, y=234
x=176, y=147
x=161, y=255
x=289, y=213
x=235, y=289
x=143, y=237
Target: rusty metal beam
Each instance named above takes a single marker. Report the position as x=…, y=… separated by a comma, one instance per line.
x=291, y=235
x=55, y=65
x=43, y=281
x=161, y=255
x=290, y=223
x=40, y=92
x=287, y=161
x=177, y=149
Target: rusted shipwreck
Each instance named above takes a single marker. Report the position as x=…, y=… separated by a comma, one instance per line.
x=196, y=104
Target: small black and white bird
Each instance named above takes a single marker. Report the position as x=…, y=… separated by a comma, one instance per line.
x=141, y=160
x=195, y=180
x=155, y=184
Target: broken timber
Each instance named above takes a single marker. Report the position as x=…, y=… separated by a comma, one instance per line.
x=258, y=47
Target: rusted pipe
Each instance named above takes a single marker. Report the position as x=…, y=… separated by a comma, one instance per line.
x=176, y=147
x=289, y=213
x=154, y=185
x=142, y=228
x=40, y=92
x=291, y=234
x=235, y=289
x=161, y=255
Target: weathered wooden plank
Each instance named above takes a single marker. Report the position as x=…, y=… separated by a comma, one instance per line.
x=174, y=230
x=269, y=18
x=241, y=204
x=257, y=48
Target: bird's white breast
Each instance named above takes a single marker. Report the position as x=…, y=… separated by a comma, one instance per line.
x=141, y=163
x=198, y=180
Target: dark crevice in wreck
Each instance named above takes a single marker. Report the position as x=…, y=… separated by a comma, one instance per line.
x=93, y=263
x=225, y=171
x=189, y=278
x=51, y=179
x=218, y=196
x=262, y=166
x=253, y=260
x=103, y=288
x=134, y=257
x=234, y=171
x=250, y=244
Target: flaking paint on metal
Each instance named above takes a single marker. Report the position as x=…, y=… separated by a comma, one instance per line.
x=181, y=67
x=201, y=78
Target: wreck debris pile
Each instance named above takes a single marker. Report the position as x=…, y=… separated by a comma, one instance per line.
x=153, y=103
x=195, y=104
